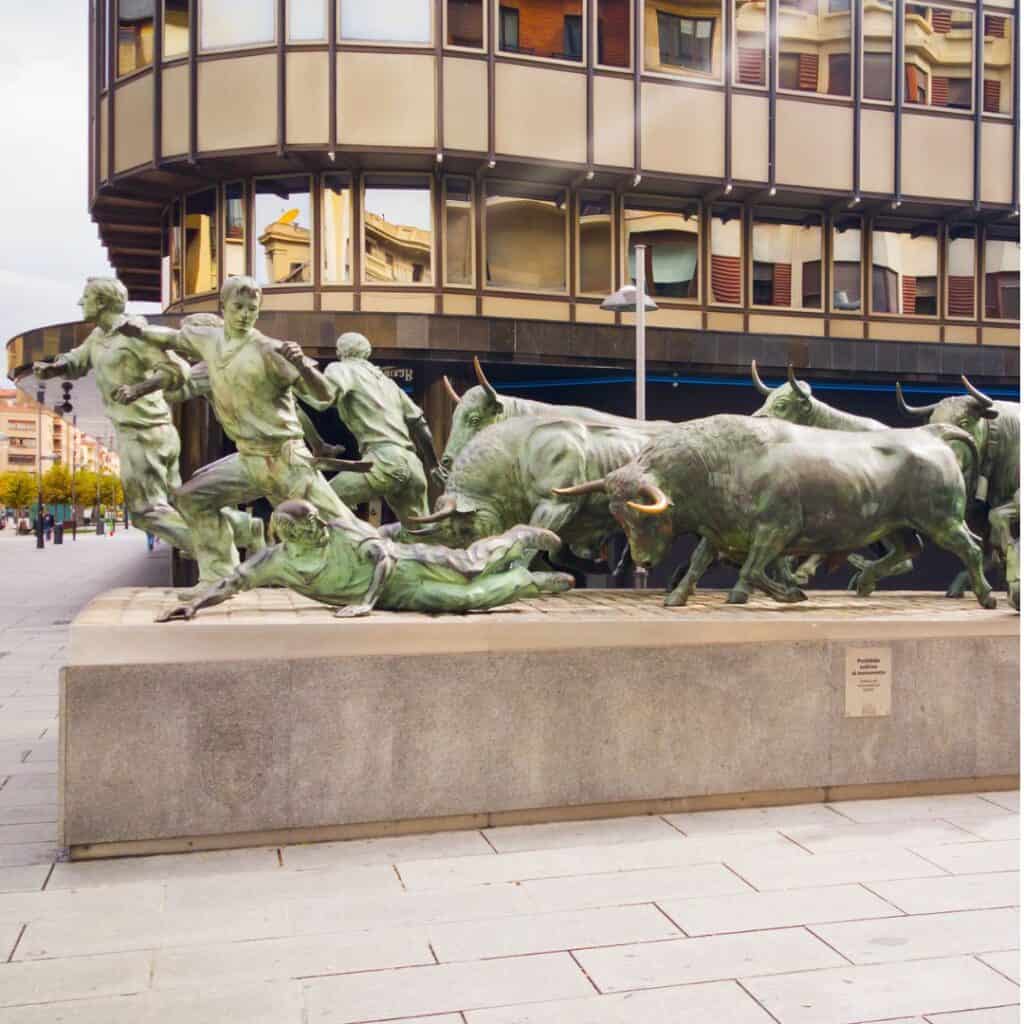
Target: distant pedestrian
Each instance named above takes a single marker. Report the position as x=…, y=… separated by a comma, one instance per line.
x=48, y=522
x=150, y=540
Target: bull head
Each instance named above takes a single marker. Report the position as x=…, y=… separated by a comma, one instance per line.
x=790, y=401
x=985, y=405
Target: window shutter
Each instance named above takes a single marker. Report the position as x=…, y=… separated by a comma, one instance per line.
x=912, y=75
x=940, y=91
x=995, y=26
x=751, y=66
x=961, y=295
x=725, y=279
x=808, y=72
x=909, y=294
x=991, y=95
x=942, y=21
x=782, y=284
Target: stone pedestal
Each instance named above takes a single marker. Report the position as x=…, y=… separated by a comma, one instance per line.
x=267, y=720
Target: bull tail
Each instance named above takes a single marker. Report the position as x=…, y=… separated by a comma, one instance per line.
x=949, y=433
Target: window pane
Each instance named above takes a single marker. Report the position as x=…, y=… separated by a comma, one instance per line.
x=614, y=36
x=878, y=72
x=458, y=231
x=938, y=51
x=542, y=28
x=787, y=261
x=234, y=229
x=176, y=17
x=526, y=239
x=466, y=23
x=682, y=39
x=1002, y=278
x=908, y=260
x=281, y=222
x=201, y=250
x=307, y=20
x=103, y=40
x=170, y=263
x=814, y=47
x=998, y=78
x=135, y=19
x=846, y=261
x=595, y=241
x=727, y=257
x=398, y=230
x=671, y=233
x=386, y=21
x=337, y=240
x=225, y=24
x=751, y=42
x=961, y=269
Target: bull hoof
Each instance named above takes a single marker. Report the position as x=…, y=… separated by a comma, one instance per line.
x=675, y=600
x=553, y=582
x=1014, y=595
x=988, y=601
x=954, y=592
x=737, y=596
x=865, y=589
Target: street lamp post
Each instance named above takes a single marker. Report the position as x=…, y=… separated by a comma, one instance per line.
x=40, y=398
x=634, y=299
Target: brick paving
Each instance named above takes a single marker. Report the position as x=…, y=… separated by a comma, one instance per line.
x=872, y=910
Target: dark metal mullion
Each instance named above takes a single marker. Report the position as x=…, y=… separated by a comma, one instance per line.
x=491, y=82
x=638, y=62
x=773, y=91
x=1015, y=113
x=282, y=80
x=193, y=85
x=591, y=40
x=160, y=13
x=332, y=77
x=439, y=79
x=93, y=58
x=727, y=61
x=979, y=63
x=111, y=85
x=857, y=42
x=900, y=85
x=357, y=240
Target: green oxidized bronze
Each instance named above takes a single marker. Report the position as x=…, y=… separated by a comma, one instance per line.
x=755, y=490
x=356, y=571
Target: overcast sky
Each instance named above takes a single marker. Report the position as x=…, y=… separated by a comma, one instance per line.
x=49, y=243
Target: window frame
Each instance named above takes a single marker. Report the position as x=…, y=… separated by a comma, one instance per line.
x=903, y=64
x=534, y=58
x=322, y=189
x=709, y=217
x=1006, y=13
x=800, y=308
x=697, y=211
x=577, y=226
x=861, y=226
x=343, y=41
x=631, y=49
x=734, y=48
x=975, y=238
x=254, y=241
x=870, y=100
x=473, y=214
x=686, y=74
x=232, y=48
x=418, y=177
x=983, y=273
x=822, y=58
x=217, y=191
x=513, y=183
x=485, y=8
x=939, y=286
x=321, y=41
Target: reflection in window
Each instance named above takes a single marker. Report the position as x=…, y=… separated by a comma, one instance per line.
x=398, y=230
x=751, y=31
x=786, y=260
x=1002, y=275
x=458, y=231
x=727, y=256
x=337, y=228
x=386, y=21
x=682, y=38
x=234, y=229
x=904, y=269
x=307, y=21
x=201, y=242
x=170, y=261
x=997, y=82
x=671, y=231
x=938, y=45
x=135, y=20
x=224, y=24
x=846, y=264
x=526, y=237
x=282, y=225
x=614, y=33
x=814, y=47
x=595, y=242
x=542, y=28
x=176, y=15
x=878, y=50
x=961, y=269
x=465, y=23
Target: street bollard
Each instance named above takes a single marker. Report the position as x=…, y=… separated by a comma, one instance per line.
x=58, y=533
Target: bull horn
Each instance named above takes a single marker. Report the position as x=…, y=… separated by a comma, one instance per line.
x=452, y=393
x=445, y=510
x=979, y=396
x=483, y=381
x=798, y=386
x=756, y=378
x=659, y=501
x=590, y=487
x=913, y=410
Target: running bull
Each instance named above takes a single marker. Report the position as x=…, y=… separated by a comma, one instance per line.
x=759, y=489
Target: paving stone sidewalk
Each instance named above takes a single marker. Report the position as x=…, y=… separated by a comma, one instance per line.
x=877, y=910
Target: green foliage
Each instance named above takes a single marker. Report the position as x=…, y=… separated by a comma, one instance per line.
x=110, y=489
x=57, y=485
x=86, y=482
x=17, y=489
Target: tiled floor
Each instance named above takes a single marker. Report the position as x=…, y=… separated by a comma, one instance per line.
x=900, y=910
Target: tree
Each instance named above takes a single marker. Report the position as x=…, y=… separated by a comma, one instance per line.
x=57, y=485
x=110, y=490
x=17, y=489
x=86, y=482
